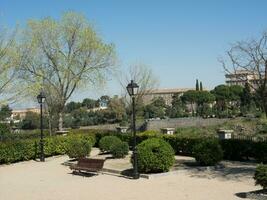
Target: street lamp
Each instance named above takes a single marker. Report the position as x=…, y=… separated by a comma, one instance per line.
x=41, y=100
x=132, y=89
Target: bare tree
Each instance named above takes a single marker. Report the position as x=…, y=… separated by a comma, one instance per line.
x=143, y=76
x=250, y=56
x=65, y=55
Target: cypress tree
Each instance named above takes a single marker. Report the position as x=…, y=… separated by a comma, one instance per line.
x=200, y=86
x=197, y=85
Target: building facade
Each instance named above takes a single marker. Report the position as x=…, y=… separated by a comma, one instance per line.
x=20, y=114
x=166, y=94
x=241, y=77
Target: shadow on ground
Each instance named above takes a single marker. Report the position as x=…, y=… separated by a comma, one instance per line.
x=256, y=194
x=226, y=170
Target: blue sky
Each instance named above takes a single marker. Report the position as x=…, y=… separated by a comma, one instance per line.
x=179, y=40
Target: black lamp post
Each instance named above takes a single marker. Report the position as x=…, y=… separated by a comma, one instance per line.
x=132, y=89
x=41, y=99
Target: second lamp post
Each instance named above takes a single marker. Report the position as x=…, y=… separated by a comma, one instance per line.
x=132, y=89
x=41, y=99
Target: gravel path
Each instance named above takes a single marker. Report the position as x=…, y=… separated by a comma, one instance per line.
x=51, y=180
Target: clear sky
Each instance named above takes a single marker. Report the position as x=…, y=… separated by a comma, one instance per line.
x=179, y=40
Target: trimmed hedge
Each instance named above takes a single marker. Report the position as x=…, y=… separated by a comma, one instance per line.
x=260, y=176
x=20, y=150
x=208, y=152
x=154, y=155
x=120, y=150
x=107, y=142
x=78, y=147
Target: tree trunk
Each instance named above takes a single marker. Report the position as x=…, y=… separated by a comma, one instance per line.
x=60, y=122
x=50, y=124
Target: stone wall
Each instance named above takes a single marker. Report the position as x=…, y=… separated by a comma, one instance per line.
x=182, y=122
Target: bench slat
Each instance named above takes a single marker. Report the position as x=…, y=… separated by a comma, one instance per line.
x=88, y=164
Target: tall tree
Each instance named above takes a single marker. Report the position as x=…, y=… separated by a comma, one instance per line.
x=200, y=86
x=62, y=56
x=197, y=85
x=250, y=56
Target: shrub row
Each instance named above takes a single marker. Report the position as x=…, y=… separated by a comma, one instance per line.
x=20, y=150
x=233, y=149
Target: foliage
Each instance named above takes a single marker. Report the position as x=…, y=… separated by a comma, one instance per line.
x=208, y=152
x=63, y=55
x=4, y=132
x=156, y=109
x=31, y=121
x=120, y=150
x=106, y=143
x=197, y=85
x=177, y=109
x=150, y=133
x=19, y=150
x=78, y=147
x=238, y=149
x=154, y=155
x=5, y=112
x=260, y=176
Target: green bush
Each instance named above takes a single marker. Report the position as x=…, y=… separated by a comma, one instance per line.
x=120, y=150
x=182, y=145
x=260, y=152
x=237, y=149
x=4, y=132
x=208, y=152
x=106, y=143
x=154, y=155
x=78, y=147
x=17, y=151
x=260, y=176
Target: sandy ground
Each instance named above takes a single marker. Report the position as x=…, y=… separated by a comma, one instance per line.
x=51, y=180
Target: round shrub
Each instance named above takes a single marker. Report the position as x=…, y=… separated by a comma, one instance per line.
x=154, y=155
x=120, y=150
x=107, y=142
x=78, y=147
x=208, y=152
x=260, y=176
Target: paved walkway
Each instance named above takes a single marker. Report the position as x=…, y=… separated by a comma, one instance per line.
x=51, y=180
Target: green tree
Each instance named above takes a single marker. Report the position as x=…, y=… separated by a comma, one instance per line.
x=30, y=121
x=71, y=106
x=117, y=106
x=204, y=99
x=5, y=112
x=197, y=85
x=177, y=108
x=200, y=86
x=223, y=96
x=63, y=55
x=156, y=109
x=190, y=97
x=9, y=59
x=89, y=103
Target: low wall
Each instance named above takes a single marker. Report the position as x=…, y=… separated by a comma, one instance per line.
x=101, y=127
x=183, y=122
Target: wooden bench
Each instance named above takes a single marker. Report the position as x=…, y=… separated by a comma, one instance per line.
x=88, y=165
